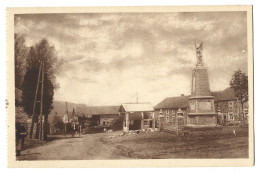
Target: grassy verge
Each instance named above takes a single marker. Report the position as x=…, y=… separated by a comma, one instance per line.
x=214, y=143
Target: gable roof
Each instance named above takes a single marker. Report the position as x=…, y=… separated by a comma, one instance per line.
x=227, y=94
x=97, y=110
x=136, y=107
x=174, y=102
x=183, y=101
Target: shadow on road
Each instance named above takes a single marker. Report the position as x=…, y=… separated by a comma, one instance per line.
x=59, y=137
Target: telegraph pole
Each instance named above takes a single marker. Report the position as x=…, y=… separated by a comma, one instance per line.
x=34, y=117
x=41, y=109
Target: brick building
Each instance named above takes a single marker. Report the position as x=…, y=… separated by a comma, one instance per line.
x=172, y=107
x=226, y=105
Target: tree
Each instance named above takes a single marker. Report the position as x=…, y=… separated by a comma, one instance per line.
x=20, y=54
x=41, y=52
x=239, y=83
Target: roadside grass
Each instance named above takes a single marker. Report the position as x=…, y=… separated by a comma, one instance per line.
x=214, y=143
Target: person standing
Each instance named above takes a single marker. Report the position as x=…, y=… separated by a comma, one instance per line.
x=20, y=134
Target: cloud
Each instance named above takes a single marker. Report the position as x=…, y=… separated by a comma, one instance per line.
x=108, y=57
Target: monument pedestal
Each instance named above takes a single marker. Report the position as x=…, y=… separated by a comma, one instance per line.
x=201, y=104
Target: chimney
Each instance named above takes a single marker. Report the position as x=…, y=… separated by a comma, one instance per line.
x=182, y=94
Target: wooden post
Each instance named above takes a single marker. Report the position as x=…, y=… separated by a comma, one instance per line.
x=161, y=121
x=153, y=121
x=142, y=121
x=127, y=121
x=41, y=109
x=34, y=103
x=79, y=130
x=65, y=129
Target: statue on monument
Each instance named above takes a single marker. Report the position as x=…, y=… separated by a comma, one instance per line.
x=199, y=54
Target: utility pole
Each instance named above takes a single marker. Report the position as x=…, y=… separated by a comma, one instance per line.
x=65, y=119
x=42, y=121
x=33, y=131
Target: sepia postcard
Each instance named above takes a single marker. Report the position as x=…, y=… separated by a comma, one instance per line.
x=130, y=86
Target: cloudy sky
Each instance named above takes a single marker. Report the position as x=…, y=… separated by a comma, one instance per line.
x=108, y=58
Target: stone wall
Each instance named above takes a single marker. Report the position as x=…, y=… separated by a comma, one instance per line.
x=170, y=115
x=105, y=120
x=228, y=108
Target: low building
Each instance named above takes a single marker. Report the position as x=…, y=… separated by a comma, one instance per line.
x=137, y=116
x=227, y=107
x=101, y=116
x=171, y=108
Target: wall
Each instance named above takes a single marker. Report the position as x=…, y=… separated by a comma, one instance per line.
x=107, y=119
x=226, y=110
x=171, y=113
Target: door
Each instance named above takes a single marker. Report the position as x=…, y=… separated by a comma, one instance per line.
x=224, y=119
x=151, y=124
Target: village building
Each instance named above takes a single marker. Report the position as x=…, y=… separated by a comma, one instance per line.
x=171, y=108
x=137, y=116
x=101, y=116
x=227, y=107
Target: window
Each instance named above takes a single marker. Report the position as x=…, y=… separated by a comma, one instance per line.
x=231, y=116
x=104, y=123
x=145, y=123
x=167, y=119
x=167, y=111
x=230, y=105
x=246, y=111
x=180, y=114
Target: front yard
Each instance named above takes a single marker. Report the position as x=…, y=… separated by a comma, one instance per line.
x=217, y=143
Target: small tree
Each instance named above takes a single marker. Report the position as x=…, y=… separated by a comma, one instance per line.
x=239, y=83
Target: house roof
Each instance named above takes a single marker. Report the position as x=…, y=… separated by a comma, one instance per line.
x=174, y=102
x=136, y=107
x=227, y=94
x=97, y=110
x=183, y=101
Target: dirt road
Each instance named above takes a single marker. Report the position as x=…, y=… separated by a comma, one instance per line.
x=214, y=143
x=87, y=147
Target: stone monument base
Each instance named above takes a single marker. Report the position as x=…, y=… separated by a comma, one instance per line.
x=202, y=119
